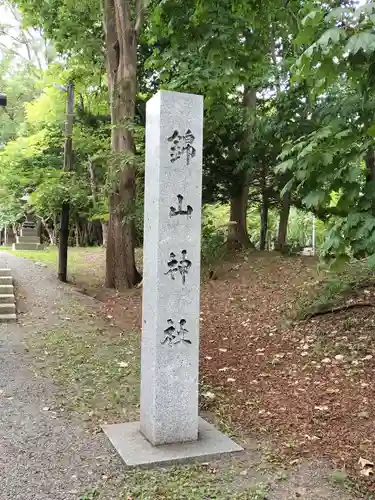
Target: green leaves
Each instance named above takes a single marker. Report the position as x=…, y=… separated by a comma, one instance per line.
x=371, y=130
x=315, y=199
x=337, y=66
x=338, y=13
x=364, y=41
x=285, y=166
x=332, y=35
x=313, y=18
x=33, y=160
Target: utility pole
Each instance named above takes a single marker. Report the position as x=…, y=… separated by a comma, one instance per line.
x=68, y=165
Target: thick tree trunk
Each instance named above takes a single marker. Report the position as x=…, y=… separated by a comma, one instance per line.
x=283, y=223
x=121, y=40
x=238, y=235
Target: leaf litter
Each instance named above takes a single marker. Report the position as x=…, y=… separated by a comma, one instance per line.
x=304, y=383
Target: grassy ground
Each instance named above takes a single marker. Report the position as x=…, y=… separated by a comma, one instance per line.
x=307, y=389
x=189, y=482
x=86, y=266
x=96, y=368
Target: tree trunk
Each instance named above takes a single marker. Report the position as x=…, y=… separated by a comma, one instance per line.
x=63, y=243
x=263, y=208
x=370, y=164
x=92, y=181
x=104, y=232
x=263, y=222
x=238, y=235
x=51, y=232
x=77, y=233
x=283, y=223
x=84, y=234
x=121, y=41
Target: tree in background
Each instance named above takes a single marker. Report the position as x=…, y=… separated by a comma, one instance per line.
x=333, y=166
x=297, y=81
x=123, y=20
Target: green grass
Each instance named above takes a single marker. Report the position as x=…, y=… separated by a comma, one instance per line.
x=77, y=256
x=339, y=477
x=185, y=482
x=96, y=368
x=86, y=266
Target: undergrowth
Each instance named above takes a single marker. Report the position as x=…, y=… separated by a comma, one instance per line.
x=337, y=285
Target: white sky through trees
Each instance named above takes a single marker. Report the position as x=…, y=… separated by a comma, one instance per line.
x=24, y=45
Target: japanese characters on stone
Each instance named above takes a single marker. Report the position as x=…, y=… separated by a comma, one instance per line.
x=182, y=146
x=180, y=210
x=173, y=335
x=178, y=265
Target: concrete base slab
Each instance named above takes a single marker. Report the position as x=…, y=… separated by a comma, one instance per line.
x=135, y=450
x=5, y=272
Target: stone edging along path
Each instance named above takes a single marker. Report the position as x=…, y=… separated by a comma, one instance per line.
x=7, y=300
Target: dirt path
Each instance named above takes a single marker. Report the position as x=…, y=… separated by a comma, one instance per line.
x=42, y=454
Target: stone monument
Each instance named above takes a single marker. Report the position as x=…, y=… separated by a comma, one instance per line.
x=28, y=238
x=170, y=428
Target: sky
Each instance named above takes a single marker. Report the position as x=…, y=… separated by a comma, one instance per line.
x=11, y=24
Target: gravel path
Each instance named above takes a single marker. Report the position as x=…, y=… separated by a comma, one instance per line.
x=42, y=456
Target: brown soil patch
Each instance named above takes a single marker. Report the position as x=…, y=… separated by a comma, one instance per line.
x=281, y=378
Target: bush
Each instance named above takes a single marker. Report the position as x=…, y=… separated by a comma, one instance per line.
x=213, y=243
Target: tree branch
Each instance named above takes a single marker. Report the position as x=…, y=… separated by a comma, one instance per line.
x=123, y=22
x=110, y=35
x=337, y=309
x=140, y=6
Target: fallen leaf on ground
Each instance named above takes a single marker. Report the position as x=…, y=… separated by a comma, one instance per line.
x=209, y=395
x=123, y=364
x=367, y=467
